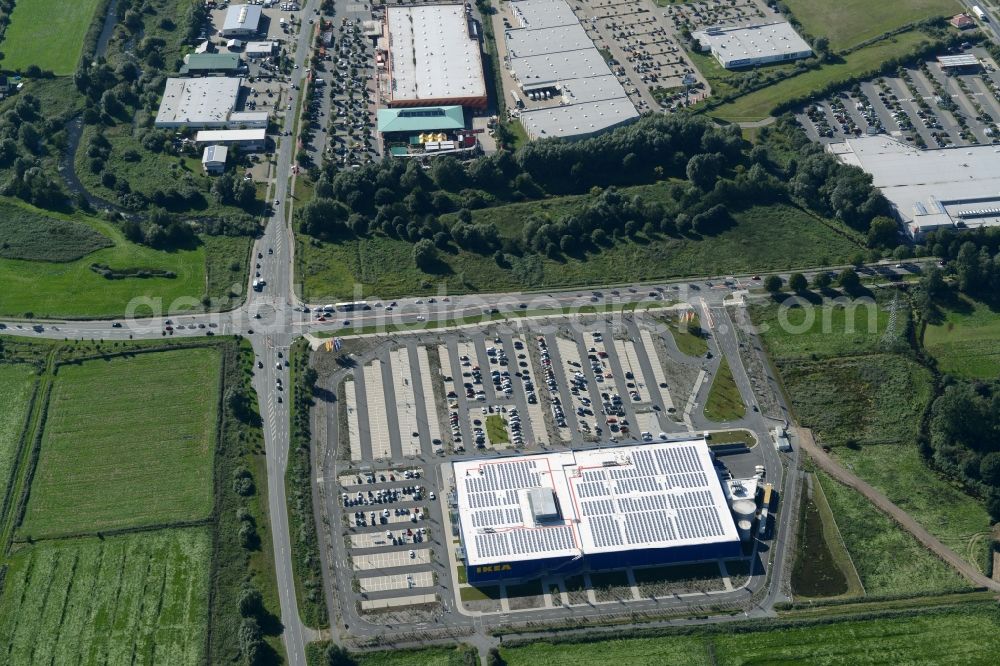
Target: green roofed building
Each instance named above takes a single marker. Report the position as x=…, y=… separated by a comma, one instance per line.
x=210, y=63
x=420, y=119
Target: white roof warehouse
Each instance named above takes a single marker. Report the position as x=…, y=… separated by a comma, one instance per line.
x=753, y=45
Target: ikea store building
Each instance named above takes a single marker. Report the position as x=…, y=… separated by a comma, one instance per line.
x=558, y=513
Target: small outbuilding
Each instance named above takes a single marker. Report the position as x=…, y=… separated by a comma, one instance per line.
x=213, y=160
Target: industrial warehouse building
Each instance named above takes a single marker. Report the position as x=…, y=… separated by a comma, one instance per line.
x=241, y=20
x=247, y=140
x=527, y=516
x=753, y=45
x=566, y=88
x=930, y=189
x=432, y=57
x=197, y=103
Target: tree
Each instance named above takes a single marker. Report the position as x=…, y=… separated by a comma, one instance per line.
x=797, y=282
x=703, y=169
x=493, y=658
x=425, y=255
x=251, y=603
x=849, y=280
x=772, y=283
x=250, y=640
x=822, y=280
x=883, y=232
x=989, y=468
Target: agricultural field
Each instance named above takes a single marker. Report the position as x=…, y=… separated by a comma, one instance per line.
x=965, y=342
x=889, y=560
x=122, y=600
x=847, y=23
x=33, y=23
x=16, y=384
x=53, y=284
x=758, y=105
x=724, y=401
x=128, y=442
x=777, y=236
x=952, y=636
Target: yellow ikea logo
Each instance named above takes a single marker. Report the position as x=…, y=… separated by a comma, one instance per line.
x=494, y=568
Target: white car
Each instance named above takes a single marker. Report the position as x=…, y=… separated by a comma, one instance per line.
x=413, y=554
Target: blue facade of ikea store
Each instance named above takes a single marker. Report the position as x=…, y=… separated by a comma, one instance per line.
x=509, y=572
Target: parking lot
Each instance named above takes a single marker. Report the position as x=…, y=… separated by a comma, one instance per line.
x=414, y=403
x=924, y=104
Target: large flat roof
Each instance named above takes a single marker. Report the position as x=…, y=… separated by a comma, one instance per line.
x=432, y=55
x=578, y=503
x=535, y=14
x=198, y=102
x=196, y=62
x=732, y=46
x=929, y=188
x=244, y=18
x=210, y=136
x=592, y=89
x=578, y=119
x=523, y=43
x=543, y=70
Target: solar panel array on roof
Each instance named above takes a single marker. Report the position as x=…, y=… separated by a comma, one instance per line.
x=645, y=496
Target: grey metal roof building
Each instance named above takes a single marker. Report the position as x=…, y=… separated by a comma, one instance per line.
x=525, y=516
x=241, y=20
x=930, y=189
x=538, y=14
x=527, y=42
x=198, y=103
x=578, y=120
x=754, y=45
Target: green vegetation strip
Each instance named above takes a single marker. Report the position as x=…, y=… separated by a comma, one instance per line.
x=496, y=429
x=724, y=400
x=119, y=600
x=16, y=384
x=128, y=443
x=967, y=634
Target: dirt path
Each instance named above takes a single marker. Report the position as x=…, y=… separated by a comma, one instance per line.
x=834, y=469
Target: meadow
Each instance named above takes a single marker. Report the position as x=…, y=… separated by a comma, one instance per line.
x=759, y=104
x=47, y=33
x=72, y=289
x=952, y=636
x=128, y=442
x=847, y=23
x=686, y=341
x=762, y=238
x=16, y=384
x=724, y=402
x=958, y=520
x=965, y=342
x=32, y=236
x=134, y=599
x=806, y=331
x=888, y=559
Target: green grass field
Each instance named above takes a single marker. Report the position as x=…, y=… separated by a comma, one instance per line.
x=758, y=105
x=16, y=383
x=960, y=521
x=47, y=33
x=496, y=429
x=810, y=332
x=965, y=343
x=955, y=636
x=763, y=238
x=889, y=560
x=127, y=443
x=72, y=289
x=849, y=22
x=724, y=401
x=135, y=599
x=687, y=342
